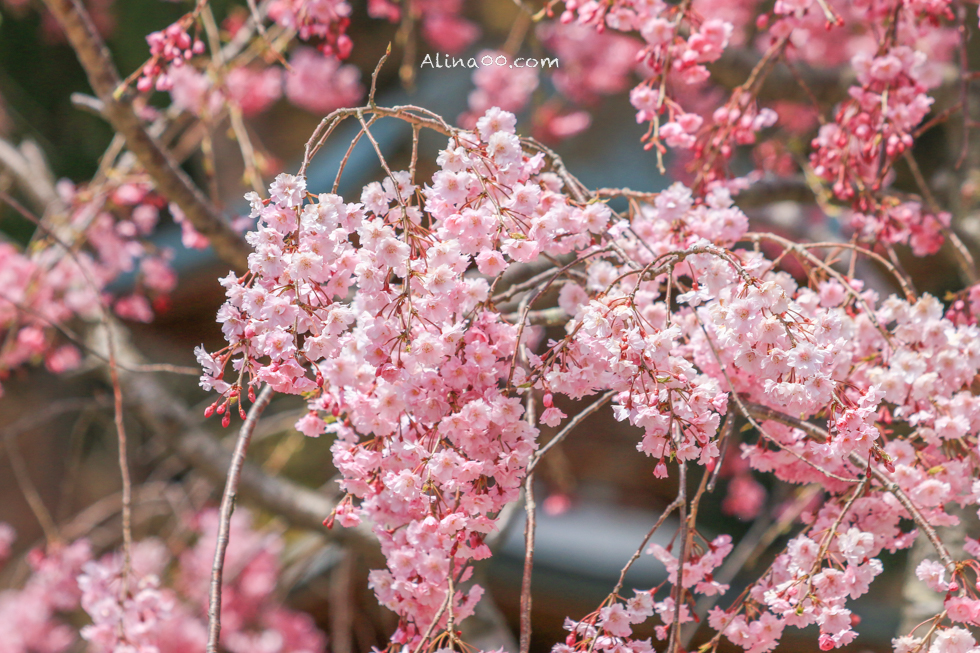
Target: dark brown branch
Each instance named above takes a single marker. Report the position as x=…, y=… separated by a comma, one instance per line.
x=172, y=182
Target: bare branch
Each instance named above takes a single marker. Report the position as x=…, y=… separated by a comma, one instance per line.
x=674, y=505
x=227, y=507
x=529, y=528
x=675, y=629
x=529, y=507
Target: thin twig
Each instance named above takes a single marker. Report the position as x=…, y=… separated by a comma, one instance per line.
x=227, y=507
x=750, y=548
x=568, y=428
x=820, y=435
x=962, y=255
x=675, y=635
x=727, y=428
x=529, y=508
x=116, y=388
x=74, y=459
x=374, y=75
x=674, y=505
x=435, y=620
x=127, y=483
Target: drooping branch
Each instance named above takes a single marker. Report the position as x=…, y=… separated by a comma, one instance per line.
x=165, y=417
x=169, y=419
x=171, y=182
x=820, y=435
x=227, y=507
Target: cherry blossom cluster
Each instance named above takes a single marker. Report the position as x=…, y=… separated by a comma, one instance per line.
x=321, y=84
x=45, y=288
x=169, y=50
x=315, y=79
x=30, y=617
x=506, y=88
x=588, y=66
x=591, y=65
x=430, y=445
x=676, y=44
x=802, y=591
x=683, y=112
x=396, y=316
x=906, y=223
x=831, y=350
x=314, y=82
x=880, y=116
x=252, y=90
x=160, y=604
x=323, y=20
x=382, y=314
x=610, y=628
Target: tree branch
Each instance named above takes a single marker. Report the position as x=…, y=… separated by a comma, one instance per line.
x=820, y=435
x=33, y=179
x=227, y=507
x=826, y=84
x=171, y=181
x=166, y=417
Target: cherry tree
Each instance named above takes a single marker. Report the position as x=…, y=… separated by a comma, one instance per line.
x=435, y=322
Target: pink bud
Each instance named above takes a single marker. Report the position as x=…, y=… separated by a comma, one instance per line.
x=344, y=46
